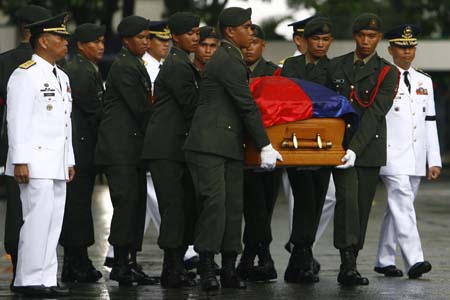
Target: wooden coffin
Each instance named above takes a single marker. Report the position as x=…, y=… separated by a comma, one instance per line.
x=311, y=142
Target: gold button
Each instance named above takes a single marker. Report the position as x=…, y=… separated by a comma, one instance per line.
x=229, y=126
x=349, y=125
x=376, y=136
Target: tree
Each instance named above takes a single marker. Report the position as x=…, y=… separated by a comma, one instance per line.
x=433, y=16
x=208, y=10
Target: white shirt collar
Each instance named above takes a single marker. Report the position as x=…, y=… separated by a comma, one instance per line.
x=43, y=63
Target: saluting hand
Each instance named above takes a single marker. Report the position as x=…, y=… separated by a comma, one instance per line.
x=71, y=173
x=433, y=173
x=21, y=174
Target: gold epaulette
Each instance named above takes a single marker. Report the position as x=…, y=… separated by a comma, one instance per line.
x=27, y=64
x=422, y=72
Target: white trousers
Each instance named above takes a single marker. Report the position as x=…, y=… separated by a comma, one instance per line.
x=328, y=206
x=399, y=222
x=43, y=202
x=152, y=214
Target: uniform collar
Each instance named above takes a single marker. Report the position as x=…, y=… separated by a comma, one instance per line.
x=365, y=60
x=150, y=60
x=179, y=52
x=403, y=71
x=253, y=66
x=43, y=63
x=80, y=56
x=226, y=42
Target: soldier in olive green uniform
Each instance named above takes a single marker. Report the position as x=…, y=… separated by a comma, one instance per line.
x=214, y=150
x=87, y=91
x=176, y=96
x=309, y=186
x=370, y=83
x=126, y=109
x=9, y=61
x=260, y=188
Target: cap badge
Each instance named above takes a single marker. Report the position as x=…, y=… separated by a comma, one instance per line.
x=373, y=23
x=407, y=33
x=325, y=28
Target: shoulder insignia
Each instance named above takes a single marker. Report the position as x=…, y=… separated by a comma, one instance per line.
x=27, y=64
x=422, y=72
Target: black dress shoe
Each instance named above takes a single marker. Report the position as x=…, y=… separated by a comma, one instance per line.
x=418, y=269
x=348, y=274
x=34, y=291
x=141, y=277
x=263, y=272
x=300, y=266
x=59, y=291
x=81, y=273
x=191, y=263
x=389, y=271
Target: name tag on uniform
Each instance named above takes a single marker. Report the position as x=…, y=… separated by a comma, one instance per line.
x=49, y=94
x=341, y=81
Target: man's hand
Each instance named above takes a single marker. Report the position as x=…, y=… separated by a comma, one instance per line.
x=433, y=173
x=21, y=174
x=348, y=160
x=269, y=157
x=71, y=173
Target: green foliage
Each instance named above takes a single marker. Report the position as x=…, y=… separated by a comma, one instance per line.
x=433, y=16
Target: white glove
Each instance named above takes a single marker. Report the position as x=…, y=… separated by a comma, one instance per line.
x=269, y=157
x=348, y=160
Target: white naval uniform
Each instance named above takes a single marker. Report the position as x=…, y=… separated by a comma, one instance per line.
x=412, y=144
x=40, y=135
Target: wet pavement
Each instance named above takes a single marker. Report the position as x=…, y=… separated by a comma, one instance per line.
x=433, y=212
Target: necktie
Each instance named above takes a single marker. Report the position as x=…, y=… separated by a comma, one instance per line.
x=406, y=80
x=54, y=73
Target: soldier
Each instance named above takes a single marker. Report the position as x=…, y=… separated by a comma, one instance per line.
x=309, y=186
x=40, y=155
x=87, y=91
x=158, y=47
x=370, y=83
x=176, y=96
x=214, y=150
x=297, y=36
x=209, y=41
x=260, y=188
x=9, y=61
x=126, y=109
x=412, y=145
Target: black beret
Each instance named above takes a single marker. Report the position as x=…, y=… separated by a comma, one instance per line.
x=404, y=36
x=234, y=16
x=299, y=26
x=258, y=32
x=208, y=32
x=29, y=14
x=55, y=25
x=132, y=25
x=182, y=22
x=318, y=25
x=367, y=21
x=160, y=30
x=89, y=32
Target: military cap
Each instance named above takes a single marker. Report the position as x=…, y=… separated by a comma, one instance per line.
x=55, y=25
x=29, y=14
x=182, y=22
x=318, y=25
x=132, y=25
x=208, y=32
x=258, y=32
x=299, y=26
x=89, y=32
x=367, y=21
x=160, y=30
x=404, y=36
x=234, y=16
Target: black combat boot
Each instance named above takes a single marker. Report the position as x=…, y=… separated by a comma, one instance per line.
x=77, y=266
x=208, y=280
x=300, y=266
x=141, y=277
x=246, y=262
x=348, y=274
x=173, y=274
x=265, y=270
x=121, y=270
x=229, y=277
